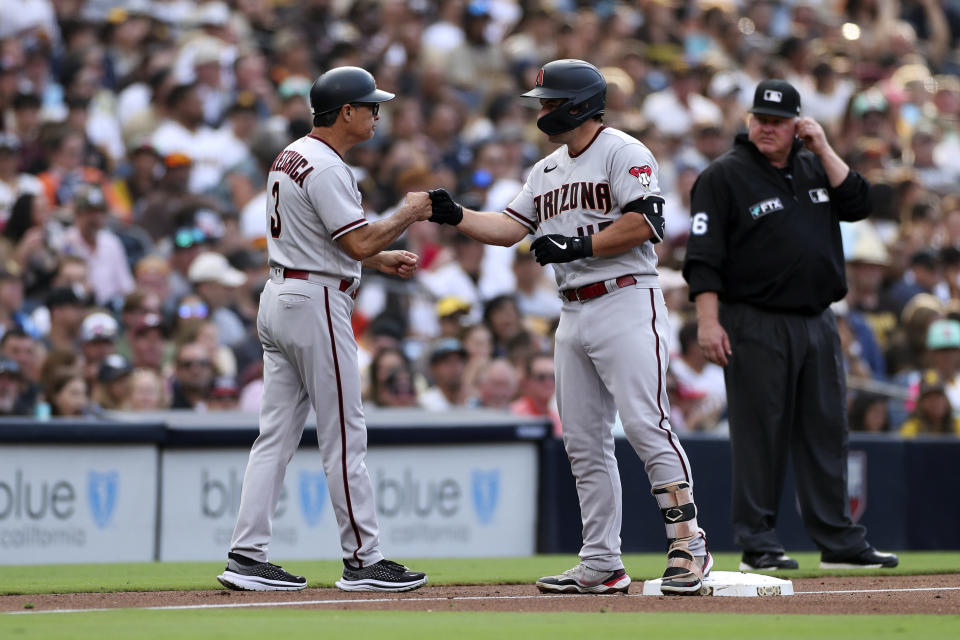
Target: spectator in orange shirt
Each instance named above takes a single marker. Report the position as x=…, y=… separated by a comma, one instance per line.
x=538, y=387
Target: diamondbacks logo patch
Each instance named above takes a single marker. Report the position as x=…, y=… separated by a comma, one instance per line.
x=643, y=174
x=764, y=207
x=819, y=195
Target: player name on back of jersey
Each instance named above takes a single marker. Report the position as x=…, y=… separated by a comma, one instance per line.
x=573, y=195
x=292, y=164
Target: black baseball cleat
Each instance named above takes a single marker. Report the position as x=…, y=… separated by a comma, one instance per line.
x=385, y=575
x=869, y=558
x=244, y=574
x=766, y=561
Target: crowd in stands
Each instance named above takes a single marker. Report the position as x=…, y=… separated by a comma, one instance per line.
x=135, y=136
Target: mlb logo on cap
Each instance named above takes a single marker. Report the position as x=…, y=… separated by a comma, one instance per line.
x=772, y=96
x=776, y=98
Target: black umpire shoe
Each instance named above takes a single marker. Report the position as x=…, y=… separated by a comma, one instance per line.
x=385, y=575
x=869, y=558
x=766, y=561
x=244, y=574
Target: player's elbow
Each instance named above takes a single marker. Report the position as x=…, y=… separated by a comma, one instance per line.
x=356, y=248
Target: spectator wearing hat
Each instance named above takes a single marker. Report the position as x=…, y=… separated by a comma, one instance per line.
x=867, y=261
x=67, y=307
x=943, y=356
x=112, y=385
x=10, y=387
x=934, y=413
x=215, y=281
x=148, y=346
x=22, y=348
x=193, y=377
x=224, y=394
x=98, y=337
x=109, y=271
x=451, y=313
x=447, y=361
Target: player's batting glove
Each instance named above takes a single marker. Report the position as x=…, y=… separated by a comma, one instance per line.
x=558, y=248
x=445, y=210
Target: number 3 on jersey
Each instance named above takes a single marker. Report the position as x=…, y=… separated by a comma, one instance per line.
x=275, y=218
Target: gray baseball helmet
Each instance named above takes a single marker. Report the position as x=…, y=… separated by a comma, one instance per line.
x=344, y=85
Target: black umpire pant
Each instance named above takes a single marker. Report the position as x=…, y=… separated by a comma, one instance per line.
x=786, y=394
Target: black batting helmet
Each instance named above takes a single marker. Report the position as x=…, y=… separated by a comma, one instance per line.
x=344, y=85
x=580, y=83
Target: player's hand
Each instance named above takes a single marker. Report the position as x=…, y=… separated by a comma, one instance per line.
x=396, y=263
x=419, y=202
x=714, y=342
x=810, y=131
x=556, y=248
x=444, y=209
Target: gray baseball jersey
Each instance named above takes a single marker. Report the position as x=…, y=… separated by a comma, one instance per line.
x=309, y=351
x=582, y=194
x=312, y=200
x=611, y=350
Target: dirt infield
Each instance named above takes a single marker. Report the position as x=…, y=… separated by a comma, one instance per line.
x=849, y=595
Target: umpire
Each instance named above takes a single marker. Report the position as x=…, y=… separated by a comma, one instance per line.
x=764, y=262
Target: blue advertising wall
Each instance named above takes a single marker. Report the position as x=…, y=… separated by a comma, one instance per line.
x=903, y=491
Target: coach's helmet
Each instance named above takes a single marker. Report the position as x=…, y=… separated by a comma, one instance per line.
x=344, y=85
x=580, y=83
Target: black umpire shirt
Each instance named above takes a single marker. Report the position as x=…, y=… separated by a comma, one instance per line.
x=770, y=237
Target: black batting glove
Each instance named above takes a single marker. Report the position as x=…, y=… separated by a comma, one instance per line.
x=444, y=209
x=555, y=248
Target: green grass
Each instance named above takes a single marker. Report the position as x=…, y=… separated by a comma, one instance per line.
x=398, y=625
x=154, y=576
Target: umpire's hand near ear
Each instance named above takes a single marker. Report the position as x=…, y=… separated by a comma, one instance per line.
x=556, y=248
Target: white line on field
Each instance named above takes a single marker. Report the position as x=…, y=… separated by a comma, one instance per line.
x=803, y=593
x=298, y=603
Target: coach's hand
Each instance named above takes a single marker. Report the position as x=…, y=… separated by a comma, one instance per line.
x=445, y=210
x=557, y=248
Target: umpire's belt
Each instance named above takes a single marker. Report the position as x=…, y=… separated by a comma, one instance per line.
x=328, y=281
x=597, y=289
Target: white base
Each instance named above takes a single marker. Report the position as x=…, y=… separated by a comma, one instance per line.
x=732, y=583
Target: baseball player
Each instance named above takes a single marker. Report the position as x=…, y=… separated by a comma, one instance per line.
x=595, y=208
x=317, y=237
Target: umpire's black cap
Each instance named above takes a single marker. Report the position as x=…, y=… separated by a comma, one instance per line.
x=344, y=85
x=776, y=98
